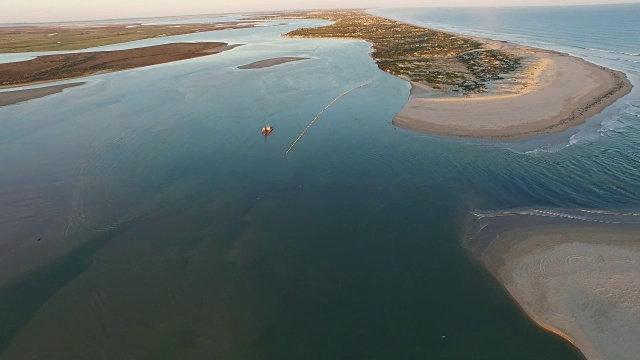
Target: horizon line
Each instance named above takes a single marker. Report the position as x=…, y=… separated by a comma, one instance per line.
x=23, y=23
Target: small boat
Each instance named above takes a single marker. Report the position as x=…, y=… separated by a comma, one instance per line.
x=267, y=130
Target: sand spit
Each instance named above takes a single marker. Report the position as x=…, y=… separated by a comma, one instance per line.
x=579, y=280
x=561, y=91
x=18, y=96
x=270, y=62
x=477, y=87
x=67, y=66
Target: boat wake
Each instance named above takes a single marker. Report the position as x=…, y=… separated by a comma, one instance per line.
x=322, y=112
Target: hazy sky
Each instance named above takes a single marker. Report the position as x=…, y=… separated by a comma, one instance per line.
x=59, y=10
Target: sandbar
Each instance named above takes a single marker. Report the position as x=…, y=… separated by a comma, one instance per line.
x=578, y=280
x=73, y=65
x=560, y=91
x=270, y=62
x=18, y=96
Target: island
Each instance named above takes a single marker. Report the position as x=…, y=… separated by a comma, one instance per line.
x=471, y=87
x=50, y=68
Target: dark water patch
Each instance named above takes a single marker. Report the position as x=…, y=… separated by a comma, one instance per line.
x=261, y=275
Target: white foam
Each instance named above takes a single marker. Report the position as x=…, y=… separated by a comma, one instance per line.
x=587, y=215
x=612, y=52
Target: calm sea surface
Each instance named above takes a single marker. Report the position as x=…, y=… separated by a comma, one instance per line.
x=170, y=228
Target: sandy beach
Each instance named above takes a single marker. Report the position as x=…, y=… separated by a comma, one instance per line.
x=18, y=96
x=270, y=62
x=561, y=91
x=581, y=281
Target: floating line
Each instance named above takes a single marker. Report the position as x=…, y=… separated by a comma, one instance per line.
x=322, y=112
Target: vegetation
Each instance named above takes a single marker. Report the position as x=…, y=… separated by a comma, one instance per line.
x=435, y=58
x=75, y=37
x=67, y=66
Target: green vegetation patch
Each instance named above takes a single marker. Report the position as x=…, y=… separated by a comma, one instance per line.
x=489, y=65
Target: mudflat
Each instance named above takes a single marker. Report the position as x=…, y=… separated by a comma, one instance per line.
x=17, y=96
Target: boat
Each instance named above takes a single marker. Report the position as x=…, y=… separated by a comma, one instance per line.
x=267, y=130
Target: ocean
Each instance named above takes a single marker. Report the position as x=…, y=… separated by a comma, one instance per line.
x=143, y=215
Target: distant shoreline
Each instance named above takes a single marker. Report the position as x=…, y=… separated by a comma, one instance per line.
x=574, y=278
x=68, y=37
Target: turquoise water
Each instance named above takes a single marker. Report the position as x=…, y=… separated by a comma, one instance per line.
x=170, y=228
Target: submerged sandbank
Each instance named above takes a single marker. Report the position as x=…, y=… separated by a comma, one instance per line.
x=18, y=96
x=561, y=91
x=578, y=279
x=271, y=62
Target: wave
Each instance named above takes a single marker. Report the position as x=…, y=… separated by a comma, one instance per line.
x=489, y=225
x=608, y=51
x=614, y=124
x=543, y=151
x=587, y=215
x=578, y=138
x=574, y=139
x=631, y=111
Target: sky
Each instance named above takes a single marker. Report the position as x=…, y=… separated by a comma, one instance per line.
x=16, y=11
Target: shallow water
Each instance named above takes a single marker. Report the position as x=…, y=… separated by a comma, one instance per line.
x=169, y=227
